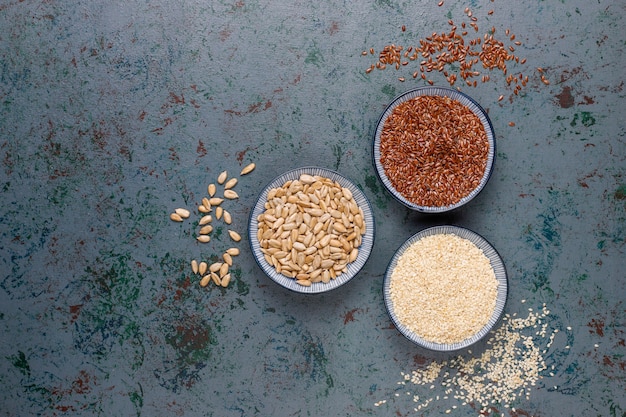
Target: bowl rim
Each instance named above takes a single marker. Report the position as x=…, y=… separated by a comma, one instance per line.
x=467, y=101
x=354, y=267
x=496, y=263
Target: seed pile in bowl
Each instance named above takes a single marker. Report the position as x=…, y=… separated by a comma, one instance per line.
x=311, y=229
x=443, y=288
x=434, y=150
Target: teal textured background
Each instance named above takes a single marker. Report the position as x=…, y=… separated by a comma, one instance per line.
x=114, y=113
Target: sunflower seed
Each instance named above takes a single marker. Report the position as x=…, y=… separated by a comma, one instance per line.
x=231, y=194
x=184, y=213
x=215, y=201
x=248, y=169
x=205, y=220
x=234, y=235
x=230, y=183
x=205, y=280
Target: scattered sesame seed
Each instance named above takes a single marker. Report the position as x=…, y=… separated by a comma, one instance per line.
x=502, y=374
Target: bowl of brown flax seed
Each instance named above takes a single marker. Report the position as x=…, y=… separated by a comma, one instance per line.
x=434, y=149
x=445, y=288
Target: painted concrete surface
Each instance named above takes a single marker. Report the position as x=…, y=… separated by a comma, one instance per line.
x=115, y=113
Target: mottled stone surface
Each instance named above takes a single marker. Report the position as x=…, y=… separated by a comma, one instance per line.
x=114, y=113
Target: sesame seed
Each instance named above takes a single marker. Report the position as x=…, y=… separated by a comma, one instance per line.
x=502, y=374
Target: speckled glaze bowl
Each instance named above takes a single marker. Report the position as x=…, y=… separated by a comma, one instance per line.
x=496, y=263
x=352, y=268
x=441, y=92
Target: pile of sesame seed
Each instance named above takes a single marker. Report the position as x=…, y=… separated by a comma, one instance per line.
x=459, y=53
x=501, y=376
x=443, y=288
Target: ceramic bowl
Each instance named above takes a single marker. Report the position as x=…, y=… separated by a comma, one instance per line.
x=441, y=92
x=496, y=263
x=353, y=268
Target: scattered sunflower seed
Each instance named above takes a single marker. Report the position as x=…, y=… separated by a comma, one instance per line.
x=248, y=169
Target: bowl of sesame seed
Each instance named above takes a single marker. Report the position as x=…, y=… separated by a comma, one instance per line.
x=434, y=149
x=445, y=288
x=311, y=230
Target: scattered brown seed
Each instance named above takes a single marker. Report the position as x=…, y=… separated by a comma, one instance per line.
x=500, y=98
x=403, y=28
x=511, y=124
